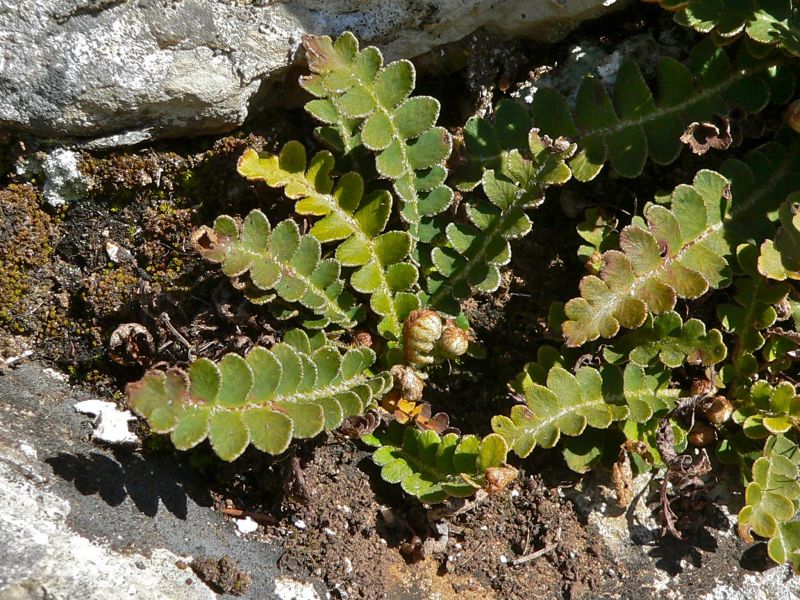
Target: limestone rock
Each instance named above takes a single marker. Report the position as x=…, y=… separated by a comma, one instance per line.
x=124, y=71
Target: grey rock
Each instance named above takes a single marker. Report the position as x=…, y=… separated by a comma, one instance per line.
x=116, y=72
x=80, y=521
x=64, y=182
x=714, y=564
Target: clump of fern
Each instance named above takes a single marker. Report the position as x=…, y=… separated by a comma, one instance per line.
x=681, y=387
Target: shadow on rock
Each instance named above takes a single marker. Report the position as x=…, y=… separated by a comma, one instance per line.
x=145, y=481
x=756, y=559
x=671, y=554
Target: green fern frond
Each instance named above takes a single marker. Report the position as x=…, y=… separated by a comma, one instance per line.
x=751, y=314
x=633, y=125
x=297, y=388
x=772, y=498
x=278, y=262
x=679, y=254
x=645, y=393
x=486, y=142
x=475, y=250
x=780, y=258
x=354, y=221
x=760, y=181
x=771, y=23
x=433, y=467
x=666, y=338
x=768, y=409
x=683, y=249
x=784, y=546
x=567, y=404
x=355, y=91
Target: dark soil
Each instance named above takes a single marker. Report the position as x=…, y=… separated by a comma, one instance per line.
x=63, y=296
x=365, y=542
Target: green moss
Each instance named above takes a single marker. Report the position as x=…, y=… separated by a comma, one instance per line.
x=26, y=234
x=110, y=291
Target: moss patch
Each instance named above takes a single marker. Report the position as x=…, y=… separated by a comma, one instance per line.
x=26, y=246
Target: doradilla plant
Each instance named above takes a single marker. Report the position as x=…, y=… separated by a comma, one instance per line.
x=682, y=388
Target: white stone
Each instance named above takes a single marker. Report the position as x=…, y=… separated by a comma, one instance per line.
x=28, y=451
x=64, y=182
x=57, y=375
x=246, y=525
x=15, y=359
x=110, y=423
x=287, y=588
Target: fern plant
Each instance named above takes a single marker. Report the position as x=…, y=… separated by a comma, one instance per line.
x=683, y=337
x=359, y=253
x=470, y=258
x=353, y=221
x=295, y=389
x=767, y=23
x=433, y=467
x=364, y=103
x=684, y=246
x=632, y=126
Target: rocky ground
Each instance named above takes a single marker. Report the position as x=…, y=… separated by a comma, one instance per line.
x=81, y=517
x=93, y=505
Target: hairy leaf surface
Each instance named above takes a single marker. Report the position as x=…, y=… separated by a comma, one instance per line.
x=278, y=262
x=773, y=495
x=476, y=250
x=354, y=221
x=751, y=313
x=297, y=388
x=770, y=23
x=768, y=409
x=684, y=248
x=565, y=405
x=666, y=338
x=780, y=258
x=353, y=89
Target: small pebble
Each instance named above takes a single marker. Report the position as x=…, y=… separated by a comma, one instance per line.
x=484, y=528
x=515, y=493
x=246, y=525
x=300, y=524
x=329, y=531
x=503, y=559
x=348, y=565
